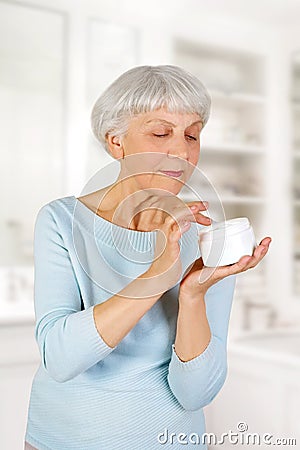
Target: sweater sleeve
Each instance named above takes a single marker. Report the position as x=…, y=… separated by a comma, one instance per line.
x=195, y=383
x=67, y=337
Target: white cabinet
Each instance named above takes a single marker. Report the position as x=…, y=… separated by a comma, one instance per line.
x=32, y=113
x=32, y=122
x=295, y=107
x=262, y=392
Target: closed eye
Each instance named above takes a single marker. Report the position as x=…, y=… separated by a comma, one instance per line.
x=192, y=137
x=163, y=135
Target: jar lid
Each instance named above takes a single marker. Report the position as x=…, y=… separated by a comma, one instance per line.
x=229, y=227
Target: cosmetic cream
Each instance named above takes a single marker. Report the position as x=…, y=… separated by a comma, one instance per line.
x=224, y=243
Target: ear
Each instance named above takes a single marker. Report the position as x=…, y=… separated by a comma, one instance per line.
x=114, y=143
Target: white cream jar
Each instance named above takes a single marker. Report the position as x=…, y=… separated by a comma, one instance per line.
x=224, y=243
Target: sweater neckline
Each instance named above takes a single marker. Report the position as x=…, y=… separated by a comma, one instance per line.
x=114, y=225
x=125, y=239
x=111, y=233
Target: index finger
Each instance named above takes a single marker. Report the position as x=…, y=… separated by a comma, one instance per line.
x=200, y=205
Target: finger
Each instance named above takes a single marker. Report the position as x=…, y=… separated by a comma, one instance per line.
x=266, y=241
x=240, y=266
x=198, y=206
x=176, y=227
x=204, y=220
x=260, y=251
x=180, y=219
x=245, y=262
x=149, y=217
x=258, y=254
x=182, y=214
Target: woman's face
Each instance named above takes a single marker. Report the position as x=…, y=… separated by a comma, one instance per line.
x=164, y=144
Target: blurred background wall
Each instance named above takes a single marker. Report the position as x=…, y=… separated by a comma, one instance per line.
x=56, y=57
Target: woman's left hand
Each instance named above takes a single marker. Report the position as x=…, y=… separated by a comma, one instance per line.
x=191, y=288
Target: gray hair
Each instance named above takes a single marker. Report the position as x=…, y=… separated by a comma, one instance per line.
x=145, y=89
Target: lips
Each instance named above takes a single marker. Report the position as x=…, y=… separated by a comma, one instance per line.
x=172, y=173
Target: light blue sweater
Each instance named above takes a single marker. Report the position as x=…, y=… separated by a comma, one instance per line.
x=88, y=396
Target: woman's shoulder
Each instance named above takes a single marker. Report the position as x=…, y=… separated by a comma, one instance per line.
x=56, y=213
x=57, y=205
x=70, y=212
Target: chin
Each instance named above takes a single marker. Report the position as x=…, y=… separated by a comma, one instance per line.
x=172, y=186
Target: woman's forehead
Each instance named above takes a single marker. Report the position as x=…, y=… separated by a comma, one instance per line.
x=161, y=116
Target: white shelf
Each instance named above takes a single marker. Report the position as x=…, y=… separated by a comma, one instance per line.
x=13, y=314
x=243, y=199
x=237, y=97
x=233, y=199
x=234, y=148
x=296, y=105
x=295, y=159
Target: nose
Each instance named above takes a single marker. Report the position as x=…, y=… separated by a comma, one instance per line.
x=178, y=149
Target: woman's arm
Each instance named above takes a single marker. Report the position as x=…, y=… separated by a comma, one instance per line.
x=198, y=365
x=193, y=332
x=195, y=382
x=70, y=340
x=115, y=317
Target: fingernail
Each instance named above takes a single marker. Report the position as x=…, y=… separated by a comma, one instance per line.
x=194, y=207
x=205, y=203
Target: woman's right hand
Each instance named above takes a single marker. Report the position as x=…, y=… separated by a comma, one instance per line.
x=173, y=221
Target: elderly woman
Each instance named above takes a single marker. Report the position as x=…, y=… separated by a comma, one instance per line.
x=132, y=345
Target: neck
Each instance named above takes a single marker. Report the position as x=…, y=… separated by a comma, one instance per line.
x=122, y=201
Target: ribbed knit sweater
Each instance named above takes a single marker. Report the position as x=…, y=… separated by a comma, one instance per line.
x=138, y=395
